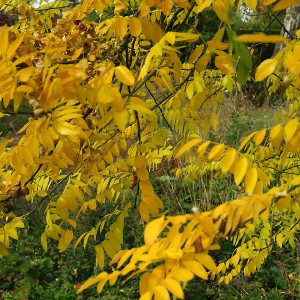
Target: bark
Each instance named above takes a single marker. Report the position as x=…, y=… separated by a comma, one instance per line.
x=290, y=25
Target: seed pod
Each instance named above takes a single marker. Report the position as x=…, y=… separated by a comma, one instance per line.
x=25, y=191
x=14, y=194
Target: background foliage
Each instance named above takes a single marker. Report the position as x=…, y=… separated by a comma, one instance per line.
x=125, y=137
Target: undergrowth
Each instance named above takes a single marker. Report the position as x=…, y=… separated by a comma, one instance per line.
x=31, y=273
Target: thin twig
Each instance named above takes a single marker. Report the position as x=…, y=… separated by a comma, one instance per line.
x=163, y=115
x=45, y=198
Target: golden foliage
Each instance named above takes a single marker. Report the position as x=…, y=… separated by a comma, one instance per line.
x=107, y=98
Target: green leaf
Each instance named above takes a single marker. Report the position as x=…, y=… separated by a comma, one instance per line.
x=242, y=73
x=241, y=50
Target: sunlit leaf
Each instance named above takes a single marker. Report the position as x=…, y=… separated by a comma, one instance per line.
x=229, y=158
x=260, y=38
x=182, y=274
x=276, y=135
x=174, y=287
x=251, y=3
x=250, y=181
x=124, y=75
x=240, y=170
x=266, y=68
x=197, y=268
x=3, y=40
x=289, y=129
x=152, y=230
x=65, y=240
x=188, y=146
x=283, y=4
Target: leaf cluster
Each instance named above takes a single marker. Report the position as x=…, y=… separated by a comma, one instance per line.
x=112, y=100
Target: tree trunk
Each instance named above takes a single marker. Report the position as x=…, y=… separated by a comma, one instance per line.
x=290, y=25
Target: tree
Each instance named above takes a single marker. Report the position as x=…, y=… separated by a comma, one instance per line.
x=110, y=100
x=290, y=24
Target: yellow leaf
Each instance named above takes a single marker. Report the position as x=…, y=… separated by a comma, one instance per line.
x=296, y=180
x=142, y=108
x=161, y=293
x=66, y=128
x=186, y=36
x=14, y=46
x=147, y=296
x=44, y=241
x=251, y=3
x=195, y=54
x=276, y=136
x=166, y=7
x=188, y=146
x=290, y=129
x=21, y=89
x=108, y=157
x=260, y=38
x=206, y=260
x=251, y=180
x=214, y=121
x=202, y=62
x=135, y=26
x=108, y=94
x=153, y=230
x=140, y=162
x=121, y=27
x=196, y=267
x=100, y=256
x=246, y=140
x=25, y=74
x=258, y=188
x=92, y=281
x=266, y=68
x=283, y=4
x=157, y=49
x=259, y=137
x=3, y=40
x=110, y=247
x=3, y=250
x=124, y=75
x=240, y=170
x=229, y=159
x=279, y=239
x=225, y=64
x=213, y=44
x=99, y=5
x=190, y=90
x=202, y=148
x=202, y=5
x=12, y=232
x=142, y=174
x=65, y=240
x=182, y=274
x=219, y=35
x=19, y=95
x=166, y=81
x=174, y=287
x=170, y=37
x=221, y=10
x=216, y=152
x=121, y=165
x=113, y=277
x=284, y=203
x=124, y=257
x=55, y=90
x=144, y=211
